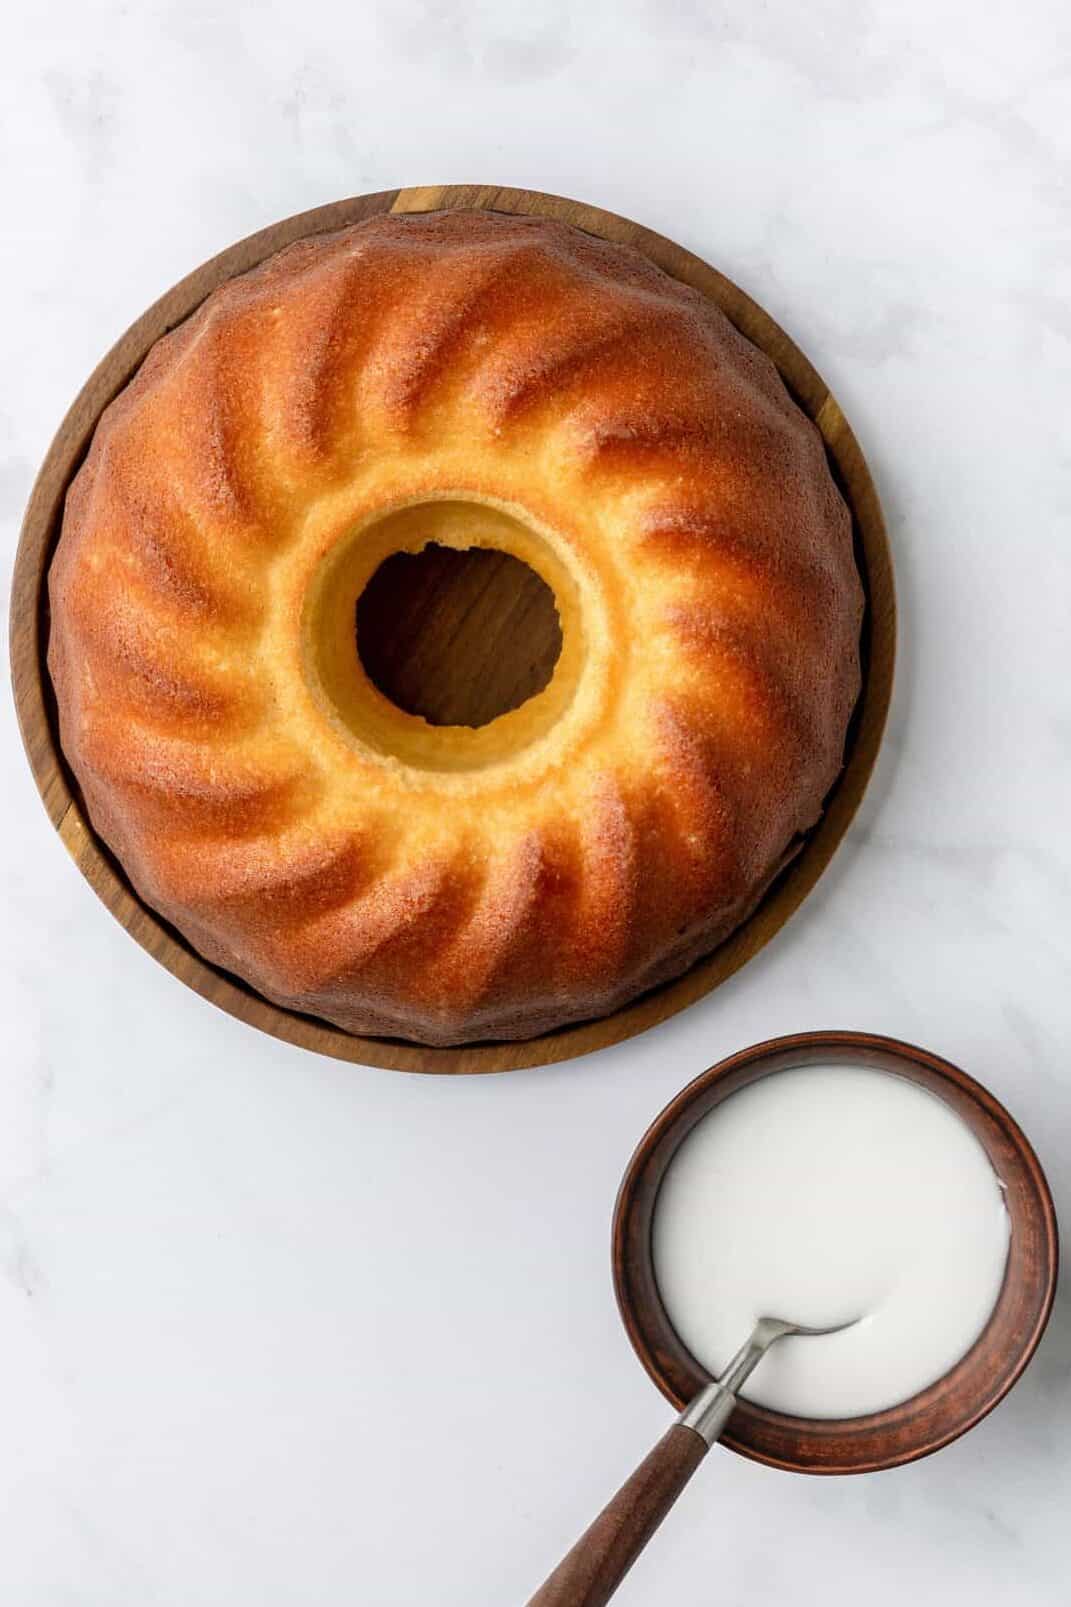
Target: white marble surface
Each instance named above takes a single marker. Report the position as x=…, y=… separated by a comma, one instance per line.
x=260, y=1314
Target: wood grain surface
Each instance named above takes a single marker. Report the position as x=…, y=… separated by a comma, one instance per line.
x=457, y=637
x=954, y=1403
x=36, y=710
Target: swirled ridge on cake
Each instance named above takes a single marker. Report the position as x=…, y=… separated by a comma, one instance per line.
x=472, y=379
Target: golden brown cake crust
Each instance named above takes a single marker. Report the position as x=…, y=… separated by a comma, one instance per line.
x=478, y=379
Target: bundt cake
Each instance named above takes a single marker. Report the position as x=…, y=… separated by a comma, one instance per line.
x=473, y=380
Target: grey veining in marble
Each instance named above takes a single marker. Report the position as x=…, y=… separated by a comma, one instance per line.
x=222, y=1262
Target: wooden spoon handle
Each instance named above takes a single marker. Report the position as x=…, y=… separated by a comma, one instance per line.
x=588, y=1575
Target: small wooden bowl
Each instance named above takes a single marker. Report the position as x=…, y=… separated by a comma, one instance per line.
x=36, y=709
x=928, y=1420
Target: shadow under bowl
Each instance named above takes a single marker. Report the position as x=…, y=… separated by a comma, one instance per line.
x=928, y=1420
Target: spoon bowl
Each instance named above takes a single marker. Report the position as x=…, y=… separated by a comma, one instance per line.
x=777, y=1327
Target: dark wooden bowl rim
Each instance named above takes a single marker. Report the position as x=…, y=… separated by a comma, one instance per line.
x=949, y=1407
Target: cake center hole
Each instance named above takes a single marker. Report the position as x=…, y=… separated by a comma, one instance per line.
x=457, y=637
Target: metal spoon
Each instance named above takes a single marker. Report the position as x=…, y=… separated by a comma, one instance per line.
x=588, y=1575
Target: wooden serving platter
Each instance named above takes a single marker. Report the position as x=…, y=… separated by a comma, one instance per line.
x=36, y=709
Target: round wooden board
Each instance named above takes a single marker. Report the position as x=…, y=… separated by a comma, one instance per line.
x=36, y=708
